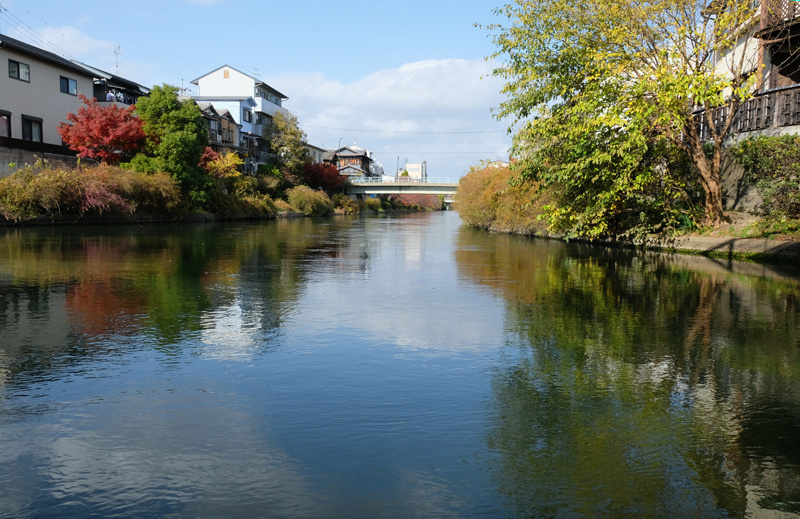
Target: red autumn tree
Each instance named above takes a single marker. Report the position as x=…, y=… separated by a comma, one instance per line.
x=323, y=176
x=107, y=133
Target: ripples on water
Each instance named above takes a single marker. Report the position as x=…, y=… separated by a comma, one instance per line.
x=388, y=367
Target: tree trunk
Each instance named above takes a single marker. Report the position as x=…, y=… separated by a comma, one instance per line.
x=709, y=169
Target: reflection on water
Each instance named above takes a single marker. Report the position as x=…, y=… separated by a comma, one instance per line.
x=640, y=384
x=394, y=367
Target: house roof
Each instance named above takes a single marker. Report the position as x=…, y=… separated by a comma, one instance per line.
x=113, y=80
x=209, y=110
x=352, y=151
x=76, y=66
x=261, y=84
x=227, y=115
x=43, y=55
x=351, y=169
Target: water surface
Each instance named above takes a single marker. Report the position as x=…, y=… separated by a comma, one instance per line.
x=389, y=367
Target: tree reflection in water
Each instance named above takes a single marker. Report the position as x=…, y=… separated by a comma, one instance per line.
x=640, y=384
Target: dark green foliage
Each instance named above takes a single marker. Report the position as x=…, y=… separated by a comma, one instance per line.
x=772, y=165
x=177, y=136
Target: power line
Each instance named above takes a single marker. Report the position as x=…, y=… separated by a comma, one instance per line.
x=31, y=33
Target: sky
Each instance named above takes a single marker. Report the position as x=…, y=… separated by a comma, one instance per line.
x=407, y=80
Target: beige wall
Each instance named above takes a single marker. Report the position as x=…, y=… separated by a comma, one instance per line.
x=41, y=97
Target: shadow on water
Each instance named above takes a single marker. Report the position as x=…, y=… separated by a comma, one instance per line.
x=640, y=384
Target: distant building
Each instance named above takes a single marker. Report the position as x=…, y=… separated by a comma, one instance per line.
x=418, y=171
x=315, y=153
x=223, y=132
x=353, y=161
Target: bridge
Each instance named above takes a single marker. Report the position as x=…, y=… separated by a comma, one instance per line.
x=403, y=185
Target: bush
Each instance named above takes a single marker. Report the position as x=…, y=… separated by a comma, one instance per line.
x=305, y=200
x=488, y=198
x=343, y=204
x=236, y=207
x=374, y=204
x=772, y=165
x=40, y=190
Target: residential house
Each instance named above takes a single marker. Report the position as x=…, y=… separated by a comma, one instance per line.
x=223, y=132
x=38, y=91
x=352, y=161
x=770, y=50
x=251, y=102
x=36, y=95
x=315, y=153
x=111, y=88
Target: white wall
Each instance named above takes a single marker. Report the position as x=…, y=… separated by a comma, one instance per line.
x=417, y=170
x=217, y=84
x=42, y=97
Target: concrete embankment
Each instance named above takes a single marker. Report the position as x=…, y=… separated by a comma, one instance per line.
x=758, y=249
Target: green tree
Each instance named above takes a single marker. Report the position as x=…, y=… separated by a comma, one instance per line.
x=287, y=145
x=177, y=136
x=594, y=84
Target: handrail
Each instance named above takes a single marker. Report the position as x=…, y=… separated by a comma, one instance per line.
x=403, y=180
x=770, y=109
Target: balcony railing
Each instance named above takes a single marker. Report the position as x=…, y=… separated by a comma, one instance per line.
x=775, y=12
x=774, y=109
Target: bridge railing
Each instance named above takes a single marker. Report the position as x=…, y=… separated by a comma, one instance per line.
x=403, y=180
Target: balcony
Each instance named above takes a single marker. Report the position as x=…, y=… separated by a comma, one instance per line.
x=773, y=109
x=268, y=107
x=777, y=15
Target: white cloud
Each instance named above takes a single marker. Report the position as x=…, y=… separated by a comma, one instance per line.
x=433, y=110
x=75, y=43
x=72, y=43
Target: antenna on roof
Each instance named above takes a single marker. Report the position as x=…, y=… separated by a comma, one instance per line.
x=117, y=52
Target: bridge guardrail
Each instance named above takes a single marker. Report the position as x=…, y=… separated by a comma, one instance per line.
x=403, y=180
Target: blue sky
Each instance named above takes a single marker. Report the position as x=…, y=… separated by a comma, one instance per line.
x=407, y=80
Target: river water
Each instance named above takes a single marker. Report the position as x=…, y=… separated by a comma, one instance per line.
x=398, y=366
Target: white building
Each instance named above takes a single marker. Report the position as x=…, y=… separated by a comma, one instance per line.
x=251, y=102
x=418, y=171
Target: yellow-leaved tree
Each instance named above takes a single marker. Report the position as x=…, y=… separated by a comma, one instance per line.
x=603, y=89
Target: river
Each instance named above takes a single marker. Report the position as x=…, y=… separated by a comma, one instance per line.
x=401, y=366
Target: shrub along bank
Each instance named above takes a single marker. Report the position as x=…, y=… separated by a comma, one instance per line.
x=508, y=200
x=42, y=193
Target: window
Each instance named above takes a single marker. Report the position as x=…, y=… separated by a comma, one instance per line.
x=69, y=86
x=31, y=128
x=5, y=123
x=19, y=71
x=248, y=116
